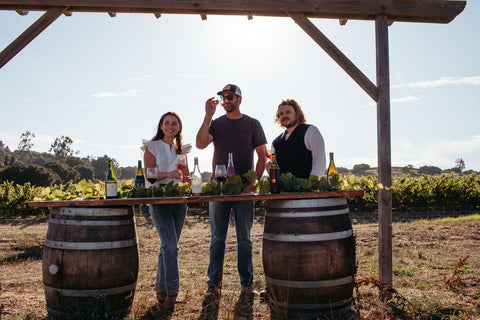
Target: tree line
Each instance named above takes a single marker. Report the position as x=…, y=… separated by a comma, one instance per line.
x=59, y=166
x=62, y=164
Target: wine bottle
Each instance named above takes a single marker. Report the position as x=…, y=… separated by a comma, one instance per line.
x=274, y=176
x=332, y=170
x=110, y=182
x=230, y=166
x=139, y=178
x=196, y=179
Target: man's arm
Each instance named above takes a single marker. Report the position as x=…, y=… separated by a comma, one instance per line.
x=203, y=137
x=314, y=142
x=261, y=161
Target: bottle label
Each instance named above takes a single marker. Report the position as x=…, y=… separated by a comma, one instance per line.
x=111, y=190
x=196, y=187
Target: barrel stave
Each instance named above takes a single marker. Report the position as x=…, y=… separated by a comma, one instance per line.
x=308, y=257
x=96, y=252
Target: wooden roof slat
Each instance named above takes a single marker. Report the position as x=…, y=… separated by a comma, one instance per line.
x=434, y=11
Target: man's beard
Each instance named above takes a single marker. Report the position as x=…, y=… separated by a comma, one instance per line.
x=290, y=123
x=229, y=107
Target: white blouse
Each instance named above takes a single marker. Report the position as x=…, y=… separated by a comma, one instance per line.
x=165, y=158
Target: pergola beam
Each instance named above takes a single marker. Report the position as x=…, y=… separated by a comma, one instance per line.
x=28, y=35
x=337, y=55
x=436, y=11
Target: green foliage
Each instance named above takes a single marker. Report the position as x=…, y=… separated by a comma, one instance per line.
x=86, y=172
x=233, y=185
x=65, y=172
x=178, y=190
x=62, y=147
x=211, y=188
x=439, y=192
x=289, y=183
x=13, y=198
x=427, y=192
x=25, y=141
x=36, y=175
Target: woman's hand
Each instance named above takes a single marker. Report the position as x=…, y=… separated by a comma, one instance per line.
x=176, y=174
x=187, y=179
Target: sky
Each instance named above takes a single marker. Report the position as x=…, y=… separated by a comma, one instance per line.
x=105, y=82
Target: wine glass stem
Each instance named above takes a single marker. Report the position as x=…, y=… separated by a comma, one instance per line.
x=153, y=195
x=221, y=188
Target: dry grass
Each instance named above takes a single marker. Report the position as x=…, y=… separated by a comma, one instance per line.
x=436, y=271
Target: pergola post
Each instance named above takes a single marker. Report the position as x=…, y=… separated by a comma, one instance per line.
x=384, y=152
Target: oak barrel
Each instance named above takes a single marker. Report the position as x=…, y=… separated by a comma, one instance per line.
x=308, y=257
x=90, y=261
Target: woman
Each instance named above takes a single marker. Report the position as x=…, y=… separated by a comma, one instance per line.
x=161, y=152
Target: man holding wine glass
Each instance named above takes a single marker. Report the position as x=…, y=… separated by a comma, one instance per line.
x=165, y=161
x=240, y=135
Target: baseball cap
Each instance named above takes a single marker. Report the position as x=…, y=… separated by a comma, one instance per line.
x=232, y=89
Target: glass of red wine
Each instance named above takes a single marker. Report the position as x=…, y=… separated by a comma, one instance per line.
x=181, y=161
x=152, y=176
x=221, y=175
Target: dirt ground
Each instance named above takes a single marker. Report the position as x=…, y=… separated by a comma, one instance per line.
x=424, y=257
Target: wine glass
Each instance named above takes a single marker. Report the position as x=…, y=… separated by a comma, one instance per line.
x=221, y=175
x=181, y=161
x=152, y=176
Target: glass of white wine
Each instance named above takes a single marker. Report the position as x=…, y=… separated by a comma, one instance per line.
x=221, y=175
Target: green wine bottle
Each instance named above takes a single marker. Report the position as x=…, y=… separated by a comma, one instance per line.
x=111, y=182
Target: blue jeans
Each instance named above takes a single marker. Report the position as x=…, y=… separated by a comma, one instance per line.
x=219, y=219
x=168, y=220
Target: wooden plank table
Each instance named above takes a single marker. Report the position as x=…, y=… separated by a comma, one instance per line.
x=191, y=199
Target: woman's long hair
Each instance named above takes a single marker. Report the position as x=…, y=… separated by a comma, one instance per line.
x=178, y=138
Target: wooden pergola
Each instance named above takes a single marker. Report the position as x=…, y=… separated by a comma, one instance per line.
x=383, y=12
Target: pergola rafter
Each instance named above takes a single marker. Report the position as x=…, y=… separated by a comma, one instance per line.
x=383, y=12
x=395, y=10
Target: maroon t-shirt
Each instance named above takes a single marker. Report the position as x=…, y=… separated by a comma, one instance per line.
x=240, y=137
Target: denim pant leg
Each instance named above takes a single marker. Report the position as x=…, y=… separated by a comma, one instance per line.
x=219, y=214
x=168, y=220
x=244, y=211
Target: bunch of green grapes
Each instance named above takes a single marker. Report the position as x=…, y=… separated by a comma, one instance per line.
x=180, y=189
x=211, y=188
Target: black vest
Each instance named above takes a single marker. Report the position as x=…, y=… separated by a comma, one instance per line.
x=292, y=154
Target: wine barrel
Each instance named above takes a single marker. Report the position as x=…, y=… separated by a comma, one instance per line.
x=90, y=262
x=308, y=257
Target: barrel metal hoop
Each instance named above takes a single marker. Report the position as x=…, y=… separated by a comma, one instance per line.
x=311, y=306
x=90, y=222
x=308, y=237
x=90, y=293
x=307, y=214
x=90, y=212
x=305, y=209
x=306, y=203
x=309, y=284
x=91, y=245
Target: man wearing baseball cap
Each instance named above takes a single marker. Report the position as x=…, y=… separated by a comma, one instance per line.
x=241, y=135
